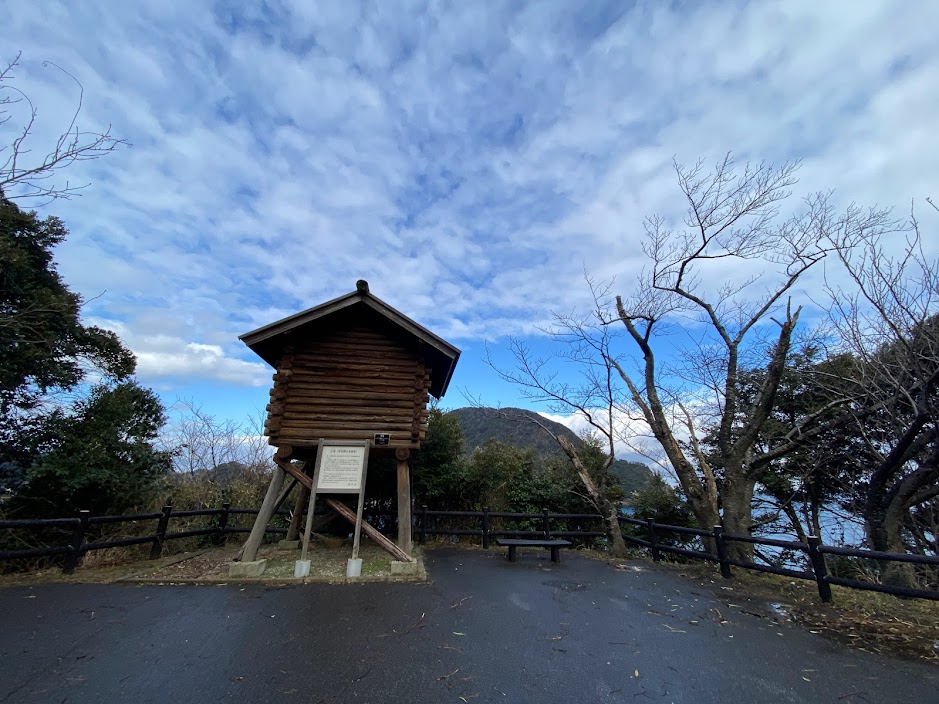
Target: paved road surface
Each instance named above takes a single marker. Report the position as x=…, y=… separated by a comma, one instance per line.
x=483, y=631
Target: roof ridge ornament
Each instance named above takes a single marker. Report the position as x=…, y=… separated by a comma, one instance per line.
x=361, y=286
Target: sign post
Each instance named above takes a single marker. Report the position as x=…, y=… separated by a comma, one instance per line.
x=340, y=469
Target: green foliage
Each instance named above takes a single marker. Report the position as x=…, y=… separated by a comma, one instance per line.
x=631, y=476
x=592, y=454
x=662, y=502
x=58, y=454
x=103, y=458
x=508, y=425
x=42, y=339
x=502, y=475
x=43, y=345
x=824, y=469
x=440, y=468
x=666, y=505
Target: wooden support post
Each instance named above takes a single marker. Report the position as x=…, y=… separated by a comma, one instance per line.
x=74, y=555
x=308, y=526
x=294, y=531
x=404, y=500
x=486, y=527
x=818, y=567
x=223, y=524
x=722, y=552
x=157, y=548
x=250, y=552
x=422, y=536
x=653, y=539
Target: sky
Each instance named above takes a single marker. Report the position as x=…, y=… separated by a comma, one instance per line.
x=471, y=160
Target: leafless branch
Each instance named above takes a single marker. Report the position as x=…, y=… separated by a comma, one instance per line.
x=25, y=177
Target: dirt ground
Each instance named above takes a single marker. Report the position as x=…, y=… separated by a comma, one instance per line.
x=328, y=557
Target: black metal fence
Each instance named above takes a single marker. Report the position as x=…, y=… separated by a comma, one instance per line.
x=80, y=527
x=814, y=550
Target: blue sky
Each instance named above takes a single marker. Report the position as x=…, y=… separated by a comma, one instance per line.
x=470, y=159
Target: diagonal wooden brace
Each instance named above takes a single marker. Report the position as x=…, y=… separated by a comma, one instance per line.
x=347, y=513
x=301, y=477
x=371, y=532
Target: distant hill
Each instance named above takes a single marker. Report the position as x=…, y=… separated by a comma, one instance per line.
x=481, y=425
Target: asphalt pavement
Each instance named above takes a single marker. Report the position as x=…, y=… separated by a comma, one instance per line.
x=483, y=630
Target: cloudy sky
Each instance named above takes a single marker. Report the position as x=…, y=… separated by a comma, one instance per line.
x=469, y=159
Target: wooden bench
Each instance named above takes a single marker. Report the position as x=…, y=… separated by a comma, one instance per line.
x=553, y=545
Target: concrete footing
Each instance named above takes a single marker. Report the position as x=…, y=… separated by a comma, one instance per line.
x=404, y=567
x=289, y=544
x=255, y=568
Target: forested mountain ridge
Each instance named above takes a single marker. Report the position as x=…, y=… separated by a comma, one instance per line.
x=481, y=425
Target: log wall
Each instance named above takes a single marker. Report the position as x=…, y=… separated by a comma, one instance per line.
x=350, y=384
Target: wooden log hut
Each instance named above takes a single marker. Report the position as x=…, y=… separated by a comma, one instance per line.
x=353, y=368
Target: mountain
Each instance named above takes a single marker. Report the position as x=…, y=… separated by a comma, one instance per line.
x=508, y=425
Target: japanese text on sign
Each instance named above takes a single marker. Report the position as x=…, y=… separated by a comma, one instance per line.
x=341, y=468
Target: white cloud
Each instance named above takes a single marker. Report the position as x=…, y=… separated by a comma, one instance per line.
x=163, y=357
x=469, y=160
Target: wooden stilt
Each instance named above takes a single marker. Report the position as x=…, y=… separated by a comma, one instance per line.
x=284, y=493
x=250, y=551
x=296, y=519
x=404, y=500
x=308, y=530
x=357, y=533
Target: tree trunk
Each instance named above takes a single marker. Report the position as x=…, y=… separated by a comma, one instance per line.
x=888, y=505
x=901, y=574
x=884, y=527
x=738, y=518
x=613, y=531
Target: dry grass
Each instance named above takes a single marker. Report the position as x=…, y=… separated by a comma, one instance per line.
x=328, y=558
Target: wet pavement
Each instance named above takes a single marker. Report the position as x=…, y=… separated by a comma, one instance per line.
x=483, y=630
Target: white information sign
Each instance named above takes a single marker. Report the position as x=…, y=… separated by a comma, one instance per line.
x=341, y=468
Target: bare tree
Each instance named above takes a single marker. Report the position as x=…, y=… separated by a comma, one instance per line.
x=733, y=219
x=888, y=318
x=201, y=443
x=25, y=175
x=595, y=397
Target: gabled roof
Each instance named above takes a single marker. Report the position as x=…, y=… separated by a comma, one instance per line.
x=440, y=355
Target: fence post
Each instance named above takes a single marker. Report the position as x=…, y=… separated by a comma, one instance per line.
x=818, y=567
x=221, y=538
x=653, y=539
x=722, y=552
x=422, y=536
x=547, y=524
x=78, y=539
x=486, y=527
x=157, y=549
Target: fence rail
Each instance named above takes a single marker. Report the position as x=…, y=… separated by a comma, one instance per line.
x=716, y=540
x=78, y=544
